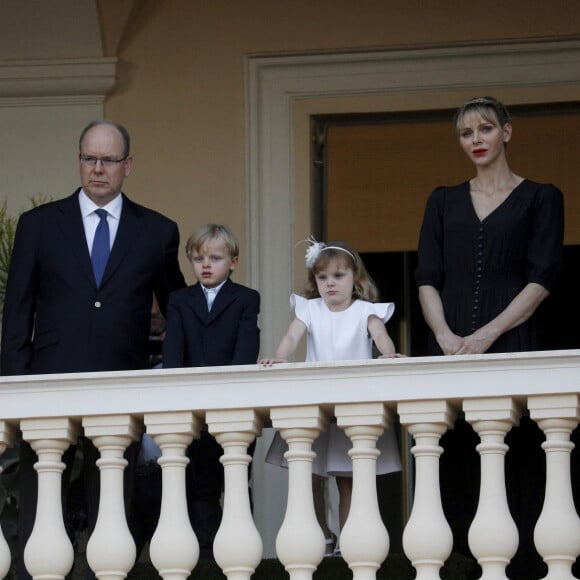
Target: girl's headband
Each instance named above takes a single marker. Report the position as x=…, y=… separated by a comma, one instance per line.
x=315, y=248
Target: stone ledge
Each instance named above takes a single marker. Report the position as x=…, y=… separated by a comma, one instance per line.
x=34, y=82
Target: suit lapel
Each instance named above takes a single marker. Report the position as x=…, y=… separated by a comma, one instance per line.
x=224, y=298
x=198, y=303
x=71, y=225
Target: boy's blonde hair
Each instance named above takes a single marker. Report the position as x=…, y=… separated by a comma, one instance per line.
x=363, y=288
x=209, y=232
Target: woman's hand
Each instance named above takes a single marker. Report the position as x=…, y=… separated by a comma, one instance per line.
x=393, y=355
x=434, y=315
x=268, y=362
x=478, y=342
x=450, y=343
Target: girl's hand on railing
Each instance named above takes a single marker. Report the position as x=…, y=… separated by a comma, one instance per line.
x=268, y=362
x=393, y=355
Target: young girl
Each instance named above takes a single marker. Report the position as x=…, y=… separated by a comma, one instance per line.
x=342, y=320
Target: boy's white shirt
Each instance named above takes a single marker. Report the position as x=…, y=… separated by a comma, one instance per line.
x=211, y=293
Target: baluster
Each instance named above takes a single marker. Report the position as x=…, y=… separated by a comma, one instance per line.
x=364, y=540
x=427, y=539
x=300, y=541
x=111, y=550
x=557, y=532
x=493, y=535
x=7, y=432
x=49, y=552
x=237, y=545
x=174, y=549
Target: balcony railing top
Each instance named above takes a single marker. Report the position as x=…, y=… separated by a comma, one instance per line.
x=453, y=378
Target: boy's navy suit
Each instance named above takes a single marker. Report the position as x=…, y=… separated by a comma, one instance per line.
x=226, y=335
x=198, y=337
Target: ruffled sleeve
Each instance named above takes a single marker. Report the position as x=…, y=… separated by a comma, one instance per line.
x=300, y=306
x=383, y=310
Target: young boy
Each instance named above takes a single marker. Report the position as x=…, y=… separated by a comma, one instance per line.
x=212, y=323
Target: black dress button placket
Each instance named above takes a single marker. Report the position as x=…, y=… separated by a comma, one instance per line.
x=478, y=277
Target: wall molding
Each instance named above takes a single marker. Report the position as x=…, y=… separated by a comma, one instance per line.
x=275, y=83
x=85, y=81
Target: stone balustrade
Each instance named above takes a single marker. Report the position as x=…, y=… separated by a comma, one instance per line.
x=298, y=400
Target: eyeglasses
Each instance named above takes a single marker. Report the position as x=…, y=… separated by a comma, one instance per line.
x=107, y=162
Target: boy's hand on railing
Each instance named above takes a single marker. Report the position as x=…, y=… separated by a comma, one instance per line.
x=268, y=362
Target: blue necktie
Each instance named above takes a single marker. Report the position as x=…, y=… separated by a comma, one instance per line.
x=101, y=246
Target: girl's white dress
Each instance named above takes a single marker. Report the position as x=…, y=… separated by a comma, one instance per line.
x=334, y=336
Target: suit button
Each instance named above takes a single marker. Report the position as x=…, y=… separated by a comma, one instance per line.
x=97, y=304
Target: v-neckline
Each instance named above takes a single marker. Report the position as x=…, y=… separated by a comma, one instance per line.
x=496, y=208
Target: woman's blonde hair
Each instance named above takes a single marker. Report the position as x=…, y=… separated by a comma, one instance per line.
x=363, y=288
x=487, y=108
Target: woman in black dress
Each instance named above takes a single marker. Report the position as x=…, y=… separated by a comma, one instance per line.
x=490, y=251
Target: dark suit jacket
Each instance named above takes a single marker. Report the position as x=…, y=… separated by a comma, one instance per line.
x=55, y=318
x=228, y=335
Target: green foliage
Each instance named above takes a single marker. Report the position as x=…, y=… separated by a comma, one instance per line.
x=7, y=230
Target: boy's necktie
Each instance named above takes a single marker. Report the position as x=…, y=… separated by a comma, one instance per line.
x=101, y=246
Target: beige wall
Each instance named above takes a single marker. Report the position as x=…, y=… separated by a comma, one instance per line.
x=181, y=77
x=34, y=29
x=49, y=52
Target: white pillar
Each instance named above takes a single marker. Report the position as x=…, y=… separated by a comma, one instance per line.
x=237, y=546
x=557, y=532
x=427, y=539
x=364, y=540
x=7, y=432
x=174, y=549
x=300, y=542
x=49, y=553
x=111, y=550
x=493, y=535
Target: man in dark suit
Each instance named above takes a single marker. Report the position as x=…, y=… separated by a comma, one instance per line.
x=212, y=323
x=62, y=312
